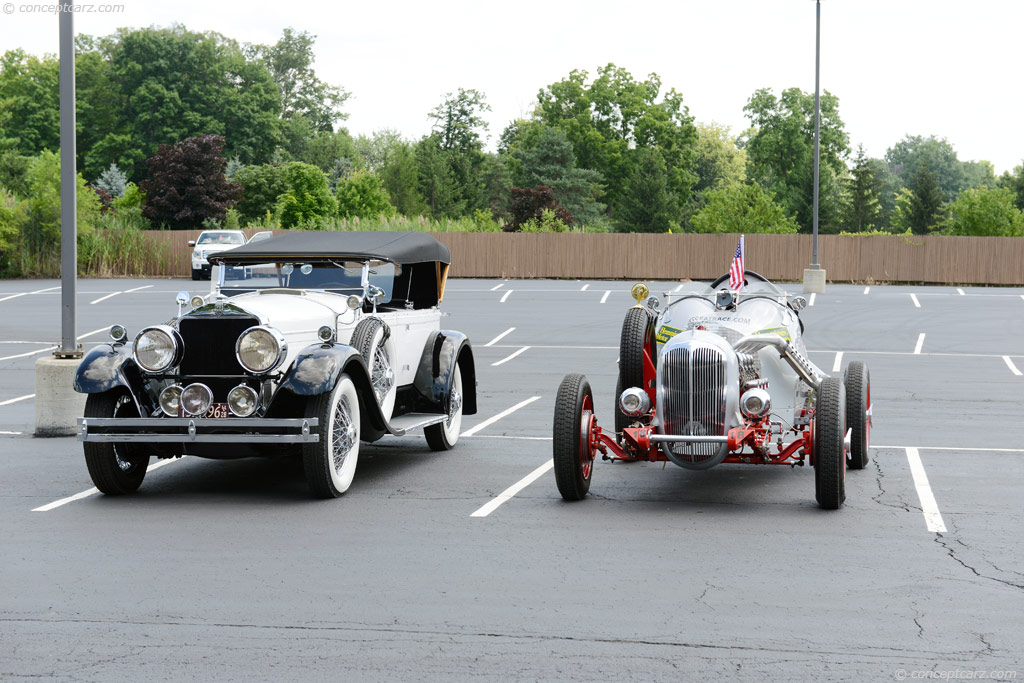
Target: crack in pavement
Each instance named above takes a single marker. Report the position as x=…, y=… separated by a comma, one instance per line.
x=879, y=476
x=948, y=546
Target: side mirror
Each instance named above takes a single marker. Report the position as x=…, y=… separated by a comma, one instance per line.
x=181, y=299
x=191, y=243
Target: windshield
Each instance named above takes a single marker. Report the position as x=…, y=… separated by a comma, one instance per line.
x=221, y=238
x=754, y=286
x=336, y=276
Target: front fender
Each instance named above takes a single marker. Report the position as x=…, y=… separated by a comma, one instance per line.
x=101, y=369
x=435, y=373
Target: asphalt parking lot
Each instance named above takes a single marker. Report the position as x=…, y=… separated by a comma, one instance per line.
x=424, y=570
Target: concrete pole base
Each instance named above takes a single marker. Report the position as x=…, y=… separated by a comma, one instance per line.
x=58, y=405
x=814, y=280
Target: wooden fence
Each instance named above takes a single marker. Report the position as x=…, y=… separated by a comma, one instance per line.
x=883, y=258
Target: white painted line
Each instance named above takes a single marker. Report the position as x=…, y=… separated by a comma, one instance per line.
x=48, y=289
x=584, y=287
x=1022, y=296
x=94, y=491
x=678, y=288
x=512, y=490
x=506, y=436
x=1009, y=364
x=811, y=302
x=13, y=296
x=505, y=296
x=505, y=413
x=129, y=291
x=930, y=509
x=508, y=358
x=499, y=337
x=606, y=295
x=867, y=289
x=553, y=346
x=960, y=291
x=920, y=343
x=30, y=353
x=15, y=400
x=11, y=433
x=936, y=448
x=89, y=334
x=913, y=297
x=497, y=286
x=104, y=298
x=838, y=363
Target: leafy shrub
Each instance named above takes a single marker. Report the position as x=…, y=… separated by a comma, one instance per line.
x=261, y=187
x=186, y=184
x=361, y=194
x=742, y=209
x=548, y=222
x=985, y=211
x=529, y=204
x=307, y=198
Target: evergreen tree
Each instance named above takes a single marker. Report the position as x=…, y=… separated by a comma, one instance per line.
x=112, y=181
x=549, y=160
x=864, y=207
x=647, y=205
x=437, y=183
x=926, y=202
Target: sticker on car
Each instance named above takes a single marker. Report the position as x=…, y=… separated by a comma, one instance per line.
x=781, y=331
x=666, y=332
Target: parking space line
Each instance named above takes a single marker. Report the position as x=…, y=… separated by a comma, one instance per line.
x=497, y=286
x=104, y=298
x=913, y=297
x=584, y=287
x=512, y=490
x=607, y=293
x=1009, y=364
x=930, y=509
x=506, y=436
x=13, y=296
x=944, y=448
x=960, y=291
x=48, y=289
x=93, y=491
x=838, y=362
x=129, y=291
x=49, y=347
x=920, y=343
x=510, y=357
x=505, y=296
x=505, y=413
x=499, y=337
x=4, y=433
x=811, y=301
x=867, y=289
x=678, y=288
x=15, y=400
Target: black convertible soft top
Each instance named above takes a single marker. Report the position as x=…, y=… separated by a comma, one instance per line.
x=397, y=247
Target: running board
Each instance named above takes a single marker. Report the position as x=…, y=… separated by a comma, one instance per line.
x=403, y=424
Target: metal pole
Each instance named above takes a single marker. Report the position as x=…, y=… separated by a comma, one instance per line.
x=817, y=124
x=68, y=199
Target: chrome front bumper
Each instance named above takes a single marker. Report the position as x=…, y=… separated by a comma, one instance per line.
x=198, y=430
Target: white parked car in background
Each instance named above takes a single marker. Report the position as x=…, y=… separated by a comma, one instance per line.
x=212, y=242
x=321, y=340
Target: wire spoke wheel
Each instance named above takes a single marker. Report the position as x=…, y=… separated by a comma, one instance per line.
x=330, y=463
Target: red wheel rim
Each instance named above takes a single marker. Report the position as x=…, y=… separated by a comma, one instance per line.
x=588, y=426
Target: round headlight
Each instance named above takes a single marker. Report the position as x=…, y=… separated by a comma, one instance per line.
x=118, y=333
x=170, y=400
x=260, y=349
x=243, y=401
x=196, y=301
x=325, y=334
x=634, y=402
x=354, y=302
x=755, y=402
x=196, y=399
x=157, y=348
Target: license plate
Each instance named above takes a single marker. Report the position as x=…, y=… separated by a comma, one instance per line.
x=216, y=411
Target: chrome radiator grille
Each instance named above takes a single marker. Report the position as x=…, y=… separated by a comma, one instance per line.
x=694, y=402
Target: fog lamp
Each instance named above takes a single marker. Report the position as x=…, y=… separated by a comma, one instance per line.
x=634, y=402
x=170, y=400
x=325, y=334
x=354, y=302
x=243, y=401
x=119, y=334
x=755, y=403
x=196, y=398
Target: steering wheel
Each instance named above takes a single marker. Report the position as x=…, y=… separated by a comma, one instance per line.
x=746, y=274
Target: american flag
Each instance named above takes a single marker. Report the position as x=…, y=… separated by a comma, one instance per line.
x=736, y=269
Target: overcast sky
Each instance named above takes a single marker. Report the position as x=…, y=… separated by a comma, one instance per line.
x=923, y=67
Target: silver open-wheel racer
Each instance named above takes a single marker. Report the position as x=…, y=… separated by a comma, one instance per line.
x=307, y=344
x=721, y=376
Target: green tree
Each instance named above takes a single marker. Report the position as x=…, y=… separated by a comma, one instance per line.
x=29, y=96
x=985, y=211
x=920, y=209
x=362, y=195
x=719, y=161
x=41, y=232
x=497, y=184
x=437, y=182
x=913, y=153
x=458, y=122
x=607, y=118
x=261, y=187
x=400, y=177
x=864, y=207
x=306, y=197
x=738, y=208
x=647, y=205
x=1015, y=183
x=548, y=159
x=780, y=153
x=978, y=174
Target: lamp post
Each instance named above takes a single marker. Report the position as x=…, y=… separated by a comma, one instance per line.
x=814, y=277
